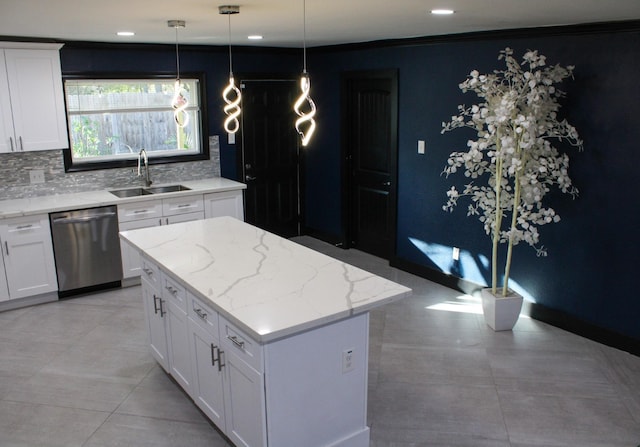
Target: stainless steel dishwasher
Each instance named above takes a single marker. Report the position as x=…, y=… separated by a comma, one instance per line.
x=87, y=249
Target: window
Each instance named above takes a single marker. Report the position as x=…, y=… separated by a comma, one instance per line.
x=111, y=119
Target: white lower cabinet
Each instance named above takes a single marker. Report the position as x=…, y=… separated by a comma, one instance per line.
x=152, y=213
x=227, y=203
x=166, y=317
x=155, y=312
x=174, y=297
x=4, y=288
x=225, y=387
x=28, y=256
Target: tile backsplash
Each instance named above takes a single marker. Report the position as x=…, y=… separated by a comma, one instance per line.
x=15, y=178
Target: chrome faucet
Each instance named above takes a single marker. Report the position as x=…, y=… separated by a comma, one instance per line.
x=142, y=156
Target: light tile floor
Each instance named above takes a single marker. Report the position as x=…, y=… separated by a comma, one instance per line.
x=78, y=373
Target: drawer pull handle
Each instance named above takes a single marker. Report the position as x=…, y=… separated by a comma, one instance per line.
x=235, y=341
x=185, y=205
x=24, y=227
x=172, y=290
x=201, y=314
x=149, y=272
x=140, y=211
x=6, y=247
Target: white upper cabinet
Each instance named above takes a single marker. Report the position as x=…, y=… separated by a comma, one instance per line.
x=32, y=114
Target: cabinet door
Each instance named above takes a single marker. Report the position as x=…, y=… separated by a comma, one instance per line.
x=4, y=290
x=37, y=102
x=155, y=313
x=177, y=333
x=244, y=406
x=228, y=203
x=208, y=390
x=7, y=136
x=28, y=256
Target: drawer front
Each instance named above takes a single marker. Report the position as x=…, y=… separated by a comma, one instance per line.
x=28, y=226
x=240, y=344
x=151, y=273
x=203, y=315
x=140, y=210
x=175, y=292
x=181, y=205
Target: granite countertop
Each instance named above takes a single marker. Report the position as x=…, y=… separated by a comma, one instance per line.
x=88, y=199
x=269, y=286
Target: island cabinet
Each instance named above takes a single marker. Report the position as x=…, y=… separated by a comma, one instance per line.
x=165, y=307
x=276, y=344
x=227, y=388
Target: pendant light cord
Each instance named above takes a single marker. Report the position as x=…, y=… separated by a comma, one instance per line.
x=177, y=56
x=230, y=61
x=304, y=36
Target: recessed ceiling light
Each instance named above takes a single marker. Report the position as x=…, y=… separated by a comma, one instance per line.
x=254, y=37
x=125, y=33
x=442, y=12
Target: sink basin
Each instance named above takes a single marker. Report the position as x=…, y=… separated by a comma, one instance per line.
x=130, y=192
x=134, y=192
x=168, y=188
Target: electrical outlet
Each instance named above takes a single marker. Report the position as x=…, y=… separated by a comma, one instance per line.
x=36, y=176
x=347, y=361
x=456, y=254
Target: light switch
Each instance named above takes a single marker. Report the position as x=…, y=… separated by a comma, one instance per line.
x=421, y=146
x=231, y=138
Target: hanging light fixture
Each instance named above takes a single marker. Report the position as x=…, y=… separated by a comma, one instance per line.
x=232, y=107
x=305, y=124
x=179, y=102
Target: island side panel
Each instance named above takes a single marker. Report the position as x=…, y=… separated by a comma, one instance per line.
x=312, y=397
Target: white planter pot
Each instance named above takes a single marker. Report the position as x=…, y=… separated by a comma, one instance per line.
x=501, y=313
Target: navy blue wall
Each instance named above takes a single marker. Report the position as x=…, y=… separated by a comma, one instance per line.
x=592, y=252
x=589, y=272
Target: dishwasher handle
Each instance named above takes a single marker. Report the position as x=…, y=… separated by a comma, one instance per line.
x=81, y=219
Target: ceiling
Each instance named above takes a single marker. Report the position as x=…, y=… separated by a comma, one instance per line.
x=280, y=22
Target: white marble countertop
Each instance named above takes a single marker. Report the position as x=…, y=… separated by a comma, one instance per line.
x=269, y=286
x=88, y=199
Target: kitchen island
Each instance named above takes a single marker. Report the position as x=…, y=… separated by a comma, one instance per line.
x=269, y=338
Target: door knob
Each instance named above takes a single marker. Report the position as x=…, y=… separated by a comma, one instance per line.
x=386, y=183
x=249, y=178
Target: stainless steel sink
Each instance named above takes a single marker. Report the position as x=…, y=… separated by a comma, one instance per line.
x=130, y=192
x=134, y=192
x=168, y=188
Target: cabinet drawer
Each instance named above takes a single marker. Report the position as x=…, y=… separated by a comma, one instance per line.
x=181, y=205
x=150, y=273
x=26, y=226
x=240, y=344
x=140, y=210
x=173, y=291
x=203, y=315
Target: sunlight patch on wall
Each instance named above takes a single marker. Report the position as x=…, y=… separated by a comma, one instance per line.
x=475, y=268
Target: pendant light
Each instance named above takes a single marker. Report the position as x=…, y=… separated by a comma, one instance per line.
x=179, y=102
x=232, y=109
x=305, y=124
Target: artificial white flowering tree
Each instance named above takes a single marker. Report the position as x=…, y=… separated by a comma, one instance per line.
x=513, y=163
